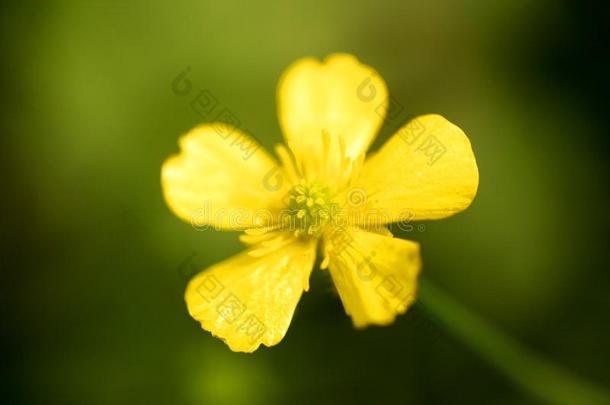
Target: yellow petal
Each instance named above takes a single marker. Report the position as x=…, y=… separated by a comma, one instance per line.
x=375, y=275
x=427, y=170
x=340, y=96
x=248, y=300
x=221, y=178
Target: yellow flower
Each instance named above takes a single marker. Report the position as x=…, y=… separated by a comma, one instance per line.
x=321, y=194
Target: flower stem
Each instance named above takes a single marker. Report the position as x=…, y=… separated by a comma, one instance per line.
x=540, y=377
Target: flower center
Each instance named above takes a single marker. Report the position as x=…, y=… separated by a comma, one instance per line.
x=310, y=206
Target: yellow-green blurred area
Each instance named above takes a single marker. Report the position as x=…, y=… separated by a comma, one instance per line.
x=95, y=265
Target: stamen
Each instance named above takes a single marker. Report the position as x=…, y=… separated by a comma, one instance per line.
x=309, y=206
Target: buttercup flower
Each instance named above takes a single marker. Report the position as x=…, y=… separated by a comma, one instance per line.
x=320, y=195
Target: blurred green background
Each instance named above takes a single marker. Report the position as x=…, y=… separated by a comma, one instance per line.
x=94, y=264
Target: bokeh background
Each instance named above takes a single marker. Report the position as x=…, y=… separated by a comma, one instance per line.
x=94, y=264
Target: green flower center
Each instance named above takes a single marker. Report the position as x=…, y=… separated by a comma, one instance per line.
x=310, y=206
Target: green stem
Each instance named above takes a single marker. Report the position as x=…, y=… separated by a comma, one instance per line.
x=549, y=382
